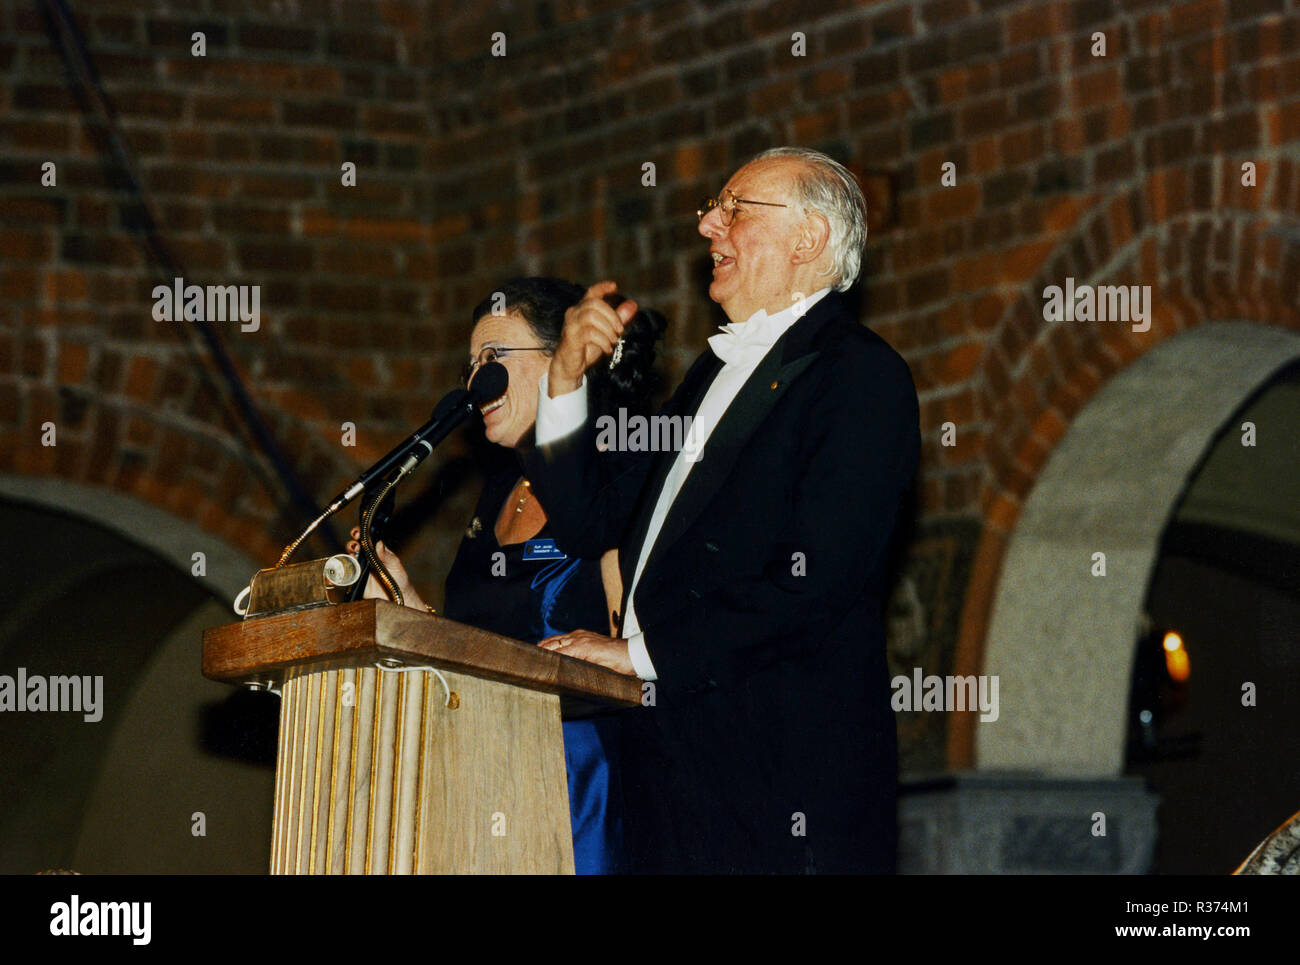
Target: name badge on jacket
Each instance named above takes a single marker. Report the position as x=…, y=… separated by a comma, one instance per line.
x=542, y=549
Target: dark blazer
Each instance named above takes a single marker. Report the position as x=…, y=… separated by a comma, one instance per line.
x=770, y=745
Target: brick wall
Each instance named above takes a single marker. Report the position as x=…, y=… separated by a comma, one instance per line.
x=1123, y=168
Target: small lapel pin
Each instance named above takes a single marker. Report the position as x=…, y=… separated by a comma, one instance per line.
x=775, y=384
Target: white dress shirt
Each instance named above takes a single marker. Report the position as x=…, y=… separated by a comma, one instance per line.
x=740, y=347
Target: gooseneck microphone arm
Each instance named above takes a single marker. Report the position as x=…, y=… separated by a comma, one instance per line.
x=489, y=383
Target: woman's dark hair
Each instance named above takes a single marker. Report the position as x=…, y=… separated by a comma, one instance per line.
x=542, y=303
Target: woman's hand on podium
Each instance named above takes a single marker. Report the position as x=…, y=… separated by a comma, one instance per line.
x=375, y=589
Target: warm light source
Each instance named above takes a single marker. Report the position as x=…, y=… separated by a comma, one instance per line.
x=1176, y=661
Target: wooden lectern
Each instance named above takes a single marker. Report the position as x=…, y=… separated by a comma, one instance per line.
x=387, y=767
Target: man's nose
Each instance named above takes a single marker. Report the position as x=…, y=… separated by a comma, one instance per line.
x=711, y=225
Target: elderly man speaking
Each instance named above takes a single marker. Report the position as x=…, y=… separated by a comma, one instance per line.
x=753, y=560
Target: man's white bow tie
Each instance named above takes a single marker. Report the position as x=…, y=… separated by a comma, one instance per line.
x=743, y=343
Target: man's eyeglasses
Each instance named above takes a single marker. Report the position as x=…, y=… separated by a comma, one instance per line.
x=492, y=353
x=726, y=205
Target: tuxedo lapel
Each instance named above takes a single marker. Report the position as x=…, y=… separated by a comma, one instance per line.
x=793, y=352
x=703, y=372
x=748, y=409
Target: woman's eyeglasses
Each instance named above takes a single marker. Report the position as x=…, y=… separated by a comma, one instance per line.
x=492, y=353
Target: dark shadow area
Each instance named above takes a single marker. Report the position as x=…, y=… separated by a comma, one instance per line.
x=1218, y=746
x=243, y=727
x=124, y=776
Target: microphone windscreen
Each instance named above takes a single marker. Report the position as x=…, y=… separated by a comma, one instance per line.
x=489, y=383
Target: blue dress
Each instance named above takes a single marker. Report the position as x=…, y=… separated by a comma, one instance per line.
x=541, y=593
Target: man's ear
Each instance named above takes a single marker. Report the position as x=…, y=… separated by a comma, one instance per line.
x=814, y=235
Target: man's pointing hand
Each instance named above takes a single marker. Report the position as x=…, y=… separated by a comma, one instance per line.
x=591, y=330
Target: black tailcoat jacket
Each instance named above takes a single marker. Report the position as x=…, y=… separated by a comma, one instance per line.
x=770, y=745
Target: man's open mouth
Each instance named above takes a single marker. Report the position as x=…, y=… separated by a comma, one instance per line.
x=492, y=406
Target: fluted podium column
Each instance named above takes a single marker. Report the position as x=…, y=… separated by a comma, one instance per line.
x=385, y=767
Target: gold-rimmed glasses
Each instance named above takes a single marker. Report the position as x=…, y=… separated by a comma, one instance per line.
x=726, y=205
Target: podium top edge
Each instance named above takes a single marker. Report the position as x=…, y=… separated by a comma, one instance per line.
x=265, y=650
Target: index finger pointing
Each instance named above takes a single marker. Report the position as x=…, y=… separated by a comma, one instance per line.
x=601, y=289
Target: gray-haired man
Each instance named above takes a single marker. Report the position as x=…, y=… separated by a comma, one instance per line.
x=753, y=569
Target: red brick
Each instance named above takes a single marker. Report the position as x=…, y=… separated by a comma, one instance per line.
x=1004, y=513
x=959, y=363
x=957, y=201
x=141, y=379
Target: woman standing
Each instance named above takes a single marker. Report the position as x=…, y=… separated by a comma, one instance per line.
x=509, y=575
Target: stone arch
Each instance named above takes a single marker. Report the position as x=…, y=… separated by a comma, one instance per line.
x=1059, y=639
x=107, y=592
x=227, y=569
x=1206, y=263
x=1210, y=248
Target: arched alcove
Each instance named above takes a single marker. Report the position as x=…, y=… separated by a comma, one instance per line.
x=104, y=588
x=226, y=570
x=1060, y=639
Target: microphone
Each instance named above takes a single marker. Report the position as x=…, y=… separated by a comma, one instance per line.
x=456, y=406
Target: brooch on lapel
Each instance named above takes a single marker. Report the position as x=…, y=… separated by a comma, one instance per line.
x=475, y=527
